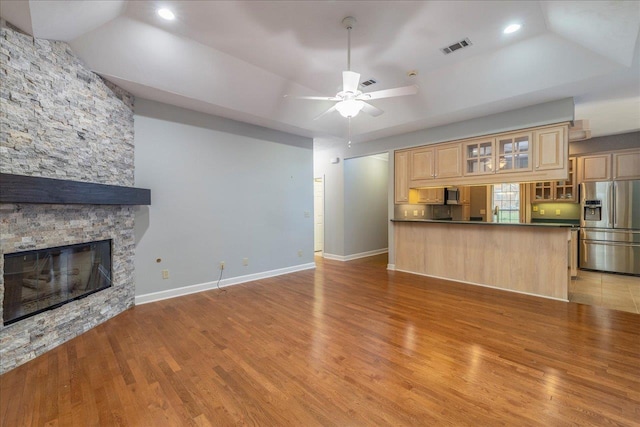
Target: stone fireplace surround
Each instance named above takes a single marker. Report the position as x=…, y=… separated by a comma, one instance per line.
x=60, y=120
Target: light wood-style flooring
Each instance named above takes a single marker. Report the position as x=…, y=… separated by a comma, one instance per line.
x=615, y=291
x=347, y=344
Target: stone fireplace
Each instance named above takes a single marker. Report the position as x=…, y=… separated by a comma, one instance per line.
x=60, y=120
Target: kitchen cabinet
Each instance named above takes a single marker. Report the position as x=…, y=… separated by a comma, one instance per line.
x=401, y=167
x=479, y=156
x=465, y=195
x=573, y=253
x=514, y=152
x=556, y=191
x=422, y=164
x=617, y=165
x=549, y=148
x=510, y=152
x=595, y=168
x=466, y=212
x=431, y=196
x=440, y=161
x=530, y=155
x=626, y=165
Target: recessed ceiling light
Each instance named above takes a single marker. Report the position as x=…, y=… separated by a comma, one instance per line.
x=512, y=28
x=166, y=14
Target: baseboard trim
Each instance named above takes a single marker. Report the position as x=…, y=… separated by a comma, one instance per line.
x=355, y=256
x=486, y=286
x=192, y=289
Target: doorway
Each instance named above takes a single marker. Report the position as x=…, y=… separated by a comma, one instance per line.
x=318, y=215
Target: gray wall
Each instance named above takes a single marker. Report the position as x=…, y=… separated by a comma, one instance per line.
x=221, y=191
x=536, y=115
x=605, y=143
x=365, y=188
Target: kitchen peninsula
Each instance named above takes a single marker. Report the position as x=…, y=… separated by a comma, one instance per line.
x=526, y=258
x=522, y=257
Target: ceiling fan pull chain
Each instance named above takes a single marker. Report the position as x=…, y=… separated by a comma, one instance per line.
x=349, y=145
x=349, y=49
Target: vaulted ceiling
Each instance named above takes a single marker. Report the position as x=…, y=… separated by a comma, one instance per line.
x=239, y=59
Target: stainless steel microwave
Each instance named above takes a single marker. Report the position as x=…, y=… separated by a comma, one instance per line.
x=452, y=196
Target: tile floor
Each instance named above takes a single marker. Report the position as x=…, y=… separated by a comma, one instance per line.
x=606, y=290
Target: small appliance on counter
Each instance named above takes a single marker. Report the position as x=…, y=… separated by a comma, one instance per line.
x=610, y=226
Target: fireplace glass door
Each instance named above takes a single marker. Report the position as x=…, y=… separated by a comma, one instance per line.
x=39, y=280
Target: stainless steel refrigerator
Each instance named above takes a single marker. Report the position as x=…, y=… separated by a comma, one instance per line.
x=610, y=226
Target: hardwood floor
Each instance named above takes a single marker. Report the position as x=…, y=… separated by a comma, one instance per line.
x=347, y=344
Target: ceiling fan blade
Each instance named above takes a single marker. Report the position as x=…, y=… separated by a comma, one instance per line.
x=350, y=81
x=371, y=110
x=330, y=110
x=315, y=98
x=388, y=93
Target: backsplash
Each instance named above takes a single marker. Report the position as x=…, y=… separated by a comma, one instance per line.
x=551, y=211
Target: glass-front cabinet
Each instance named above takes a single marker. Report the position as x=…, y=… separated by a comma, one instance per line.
x=556, y=191
x=514, y=152
x=507, y=153
x=479, y=156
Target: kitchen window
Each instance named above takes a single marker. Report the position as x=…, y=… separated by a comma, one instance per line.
x=506, y=203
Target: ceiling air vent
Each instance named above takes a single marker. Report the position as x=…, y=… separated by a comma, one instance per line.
x=450, y=49
x=368, y=83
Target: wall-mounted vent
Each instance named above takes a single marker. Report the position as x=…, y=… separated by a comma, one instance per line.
x=450, y=49
x=368, y=83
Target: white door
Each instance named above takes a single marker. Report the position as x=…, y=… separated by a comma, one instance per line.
x=318, y=214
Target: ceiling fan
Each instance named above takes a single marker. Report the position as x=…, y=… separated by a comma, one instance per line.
x=350, y=100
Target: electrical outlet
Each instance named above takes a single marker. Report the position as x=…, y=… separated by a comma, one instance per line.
x=422, y=212
x=541, y=211
x=307, y=214
x=405, y=214
x=300, y=253
x=535, y=208
x=245, y=261
x=415, y=212
x=558, y=212
x=165, y=274
x=221, y=265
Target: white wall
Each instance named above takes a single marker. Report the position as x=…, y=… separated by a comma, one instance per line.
x=221, y=190
x=365, y=191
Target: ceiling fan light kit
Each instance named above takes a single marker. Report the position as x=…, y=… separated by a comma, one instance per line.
x=350, y=100
x=349, y=108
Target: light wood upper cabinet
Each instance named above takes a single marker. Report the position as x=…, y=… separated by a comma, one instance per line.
x=550, y=148
x=422, y=164
x=514, y=152
x=401, y=167
x=595, y=168
x=478, y=156
x=448, y=161
x=535, y=154
x=436, y=162
x=626, y=165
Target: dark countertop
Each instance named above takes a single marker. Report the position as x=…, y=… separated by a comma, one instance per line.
x=539, y=224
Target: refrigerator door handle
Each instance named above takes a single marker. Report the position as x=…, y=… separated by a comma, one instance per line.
x=611, y=191
x=586, y=251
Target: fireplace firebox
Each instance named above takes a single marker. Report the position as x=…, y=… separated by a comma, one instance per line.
x=39, y=280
